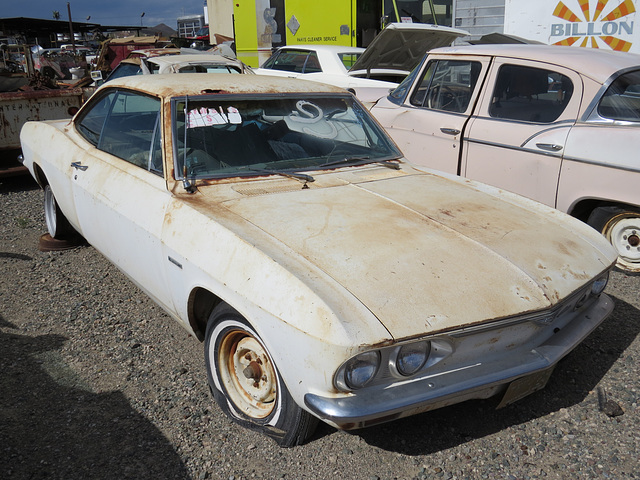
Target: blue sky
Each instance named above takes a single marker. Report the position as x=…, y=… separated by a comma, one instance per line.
x=109, y=12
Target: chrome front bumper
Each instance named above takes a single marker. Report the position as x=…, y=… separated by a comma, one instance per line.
x=530, y=370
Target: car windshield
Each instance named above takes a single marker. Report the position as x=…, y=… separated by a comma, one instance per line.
x=209, y=68
x=125, y=70
x=237, y=135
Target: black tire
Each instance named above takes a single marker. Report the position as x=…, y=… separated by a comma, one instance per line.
x=57, y=224
x=246, y=383
x=621, y=226
x=48, y=72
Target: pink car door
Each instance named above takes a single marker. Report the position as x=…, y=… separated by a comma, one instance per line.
x=517, y=138
x=429, y=123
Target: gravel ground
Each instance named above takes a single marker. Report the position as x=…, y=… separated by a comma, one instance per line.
x=97, y=382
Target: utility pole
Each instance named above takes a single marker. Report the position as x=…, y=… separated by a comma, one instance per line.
x=73, y=38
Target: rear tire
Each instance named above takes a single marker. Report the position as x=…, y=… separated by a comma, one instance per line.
x=246, y=383
x=621, y=226
x=57, y=224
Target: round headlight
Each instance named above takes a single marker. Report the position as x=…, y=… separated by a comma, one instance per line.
x=361, y=369
x=599, y=285
x=412, y=357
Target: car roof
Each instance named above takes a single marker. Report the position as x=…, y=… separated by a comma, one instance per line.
x=198, y=83
x=596, y=64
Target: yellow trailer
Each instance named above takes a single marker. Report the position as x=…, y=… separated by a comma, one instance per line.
x=261, y=25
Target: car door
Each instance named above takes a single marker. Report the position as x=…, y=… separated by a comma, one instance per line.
x=430, y=123
x=119, y=188
x=517, y=139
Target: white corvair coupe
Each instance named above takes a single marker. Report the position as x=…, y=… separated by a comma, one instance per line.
x=329, y=279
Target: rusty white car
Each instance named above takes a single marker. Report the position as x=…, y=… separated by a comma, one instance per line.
x=368, y=73
x=560, y=125
x=328, y=278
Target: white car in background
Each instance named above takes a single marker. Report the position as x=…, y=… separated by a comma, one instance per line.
x=178, y=63
x=367, y=73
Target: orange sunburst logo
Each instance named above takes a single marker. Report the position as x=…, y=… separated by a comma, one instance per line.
x=610, y=24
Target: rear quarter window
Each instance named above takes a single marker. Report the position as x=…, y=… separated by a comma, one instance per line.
x=621, y=101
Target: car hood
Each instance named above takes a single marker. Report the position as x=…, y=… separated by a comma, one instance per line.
x=425, y=253
x=401, y=46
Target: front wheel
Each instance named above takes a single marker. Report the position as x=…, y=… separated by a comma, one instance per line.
x=246, y=384
x=57, y=224
x=622, y=228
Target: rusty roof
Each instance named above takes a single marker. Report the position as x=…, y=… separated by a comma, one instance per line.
x=198, y=83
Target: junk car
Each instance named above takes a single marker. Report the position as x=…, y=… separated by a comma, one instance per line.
x=328, y=278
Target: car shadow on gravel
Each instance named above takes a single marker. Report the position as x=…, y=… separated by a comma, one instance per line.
x=574, y=379
x=52, y=426
x=18, y=184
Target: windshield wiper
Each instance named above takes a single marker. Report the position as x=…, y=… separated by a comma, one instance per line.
x=362, y=161
x=301, y=177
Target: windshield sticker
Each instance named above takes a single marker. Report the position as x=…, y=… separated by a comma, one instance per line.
x=207, y=117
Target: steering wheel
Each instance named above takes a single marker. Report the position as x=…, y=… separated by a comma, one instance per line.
x=442, y=97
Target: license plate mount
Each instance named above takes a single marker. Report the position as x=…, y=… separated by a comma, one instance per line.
x=524, y=386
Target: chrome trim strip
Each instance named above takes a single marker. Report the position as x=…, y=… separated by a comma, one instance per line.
x=551, y=125
x=601, y=164
x=551, y=154
x=434, y=375
x=513, y=147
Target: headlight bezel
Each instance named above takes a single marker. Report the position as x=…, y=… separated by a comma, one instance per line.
x=345, y=378
x=439, y=348
x=422, y=347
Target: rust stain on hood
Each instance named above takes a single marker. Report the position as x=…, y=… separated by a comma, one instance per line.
x=424, y=247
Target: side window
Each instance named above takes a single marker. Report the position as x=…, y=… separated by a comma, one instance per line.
x=312, y=65
x=91, y=123
x=271, y=61
x=447, y=85
x=289, y=61
x=621, y=101
x=348, y=59
x=399, y=94
x=530, y=94
x=126, y=125
x=420, y=92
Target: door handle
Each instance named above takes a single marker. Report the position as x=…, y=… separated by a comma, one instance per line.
x=551, y=147
x=79, y=166
x=450, y=131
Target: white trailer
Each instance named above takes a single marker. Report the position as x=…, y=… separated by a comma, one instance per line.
x=605, y=24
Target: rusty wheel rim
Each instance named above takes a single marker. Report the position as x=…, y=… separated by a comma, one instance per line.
x=247, y=374
x=623, y=231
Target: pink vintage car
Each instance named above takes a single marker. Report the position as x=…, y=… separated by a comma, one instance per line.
x=560, y=125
